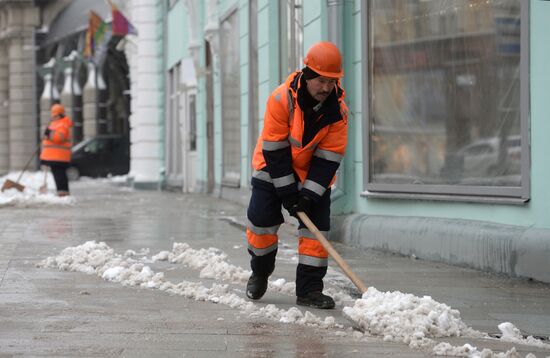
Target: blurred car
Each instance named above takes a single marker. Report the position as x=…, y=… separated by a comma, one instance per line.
x=481, y=158
x=100, y=156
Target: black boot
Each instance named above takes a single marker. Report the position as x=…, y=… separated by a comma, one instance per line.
x=256, y=286
x=316, y=299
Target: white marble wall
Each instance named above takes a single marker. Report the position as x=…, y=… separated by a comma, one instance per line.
x=18, y=92
x=145, y=56
x=22, y=111
x=49, y=95
x=89, y=104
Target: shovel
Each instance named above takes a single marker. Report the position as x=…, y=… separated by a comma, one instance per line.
x=333, y=253
x=10, y=184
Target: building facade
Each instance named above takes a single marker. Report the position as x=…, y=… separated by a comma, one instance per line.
x=447, y=117
x=447, y=123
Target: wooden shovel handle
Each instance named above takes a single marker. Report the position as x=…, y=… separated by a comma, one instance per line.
x=333, y=253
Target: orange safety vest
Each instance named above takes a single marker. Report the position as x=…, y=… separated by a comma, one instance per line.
x=284, y=126
x=57, y=146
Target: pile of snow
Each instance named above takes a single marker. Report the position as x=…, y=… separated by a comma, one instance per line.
x=511, y=333
x=30, y=196
x=395, y=316
x=212, y=264
x=101, y=260
x=467, y=350
x=401, y=317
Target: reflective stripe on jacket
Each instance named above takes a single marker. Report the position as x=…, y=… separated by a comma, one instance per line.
x=279, y=153
x=57, y=146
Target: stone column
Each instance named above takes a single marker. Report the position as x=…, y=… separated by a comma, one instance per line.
x=49, y=95
x=102, y=121
x=4, y=115
x=89, y=104
x=22, y=111
x=145, y=58
x=78, y=130
x=66, y=94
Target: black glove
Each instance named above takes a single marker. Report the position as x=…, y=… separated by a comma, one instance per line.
x=289, y=202
x=303, y=205
x=47, y=132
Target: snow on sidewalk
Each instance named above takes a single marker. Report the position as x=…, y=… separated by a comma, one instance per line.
x=393, y=316
x=30, y=196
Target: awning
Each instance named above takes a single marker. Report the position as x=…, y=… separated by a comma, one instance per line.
x=74, y=18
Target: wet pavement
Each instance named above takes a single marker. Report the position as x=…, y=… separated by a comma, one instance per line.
x=46, y=312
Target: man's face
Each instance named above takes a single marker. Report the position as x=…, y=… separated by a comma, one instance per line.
x=321, y=87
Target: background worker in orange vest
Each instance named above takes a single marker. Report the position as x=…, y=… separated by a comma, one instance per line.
x=56, y=147
x=295, y=162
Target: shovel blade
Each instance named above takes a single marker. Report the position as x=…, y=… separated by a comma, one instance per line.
x=10, y=184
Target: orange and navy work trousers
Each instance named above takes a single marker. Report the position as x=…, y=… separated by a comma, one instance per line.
x=265, y=217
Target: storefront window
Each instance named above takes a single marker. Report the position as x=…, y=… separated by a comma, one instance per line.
x=447, y=90
x=292, y=37
x=231, y=97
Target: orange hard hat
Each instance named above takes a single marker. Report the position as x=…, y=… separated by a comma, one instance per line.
x=57, y=109
x=325, y=59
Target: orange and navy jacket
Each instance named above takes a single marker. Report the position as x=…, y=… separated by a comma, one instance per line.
x=283, y=159
x=57, y=146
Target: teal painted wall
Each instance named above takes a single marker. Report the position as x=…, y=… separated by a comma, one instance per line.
x=202, y=157
x=244, y=76
x=533, y=214
x=315, y=22
x=160, y=13
x=540, y=109
x=177, y=34
x=268, y=52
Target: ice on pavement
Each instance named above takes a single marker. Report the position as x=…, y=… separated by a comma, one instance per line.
x=31, y=196
x=393, y=316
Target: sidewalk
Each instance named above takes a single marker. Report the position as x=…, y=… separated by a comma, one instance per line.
x=48, y=312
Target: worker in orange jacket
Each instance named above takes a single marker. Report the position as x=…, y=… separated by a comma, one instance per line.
x=295, y=161
x=56, y=147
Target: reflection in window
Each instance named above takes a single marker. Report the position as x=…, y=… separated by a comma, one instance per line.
x=445, y=91
x=231, y=97
x=292, y=36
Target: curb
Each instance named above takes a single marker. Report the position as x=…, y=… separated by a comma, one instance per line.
x=515, y=251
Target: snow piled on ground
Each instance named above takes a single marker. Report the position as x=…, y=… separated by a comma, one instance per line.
x=512, y=334
x=99, y=259
x=406, y=318
x=467, y=350
x=31, y=196
x=394, y=316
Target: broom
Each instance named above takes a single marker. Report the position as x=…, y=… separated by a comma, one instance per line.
x=10, y=184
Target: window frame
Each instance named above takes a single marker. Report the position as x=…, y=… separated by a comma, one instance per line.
x=493, y=194
x=292, y=51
